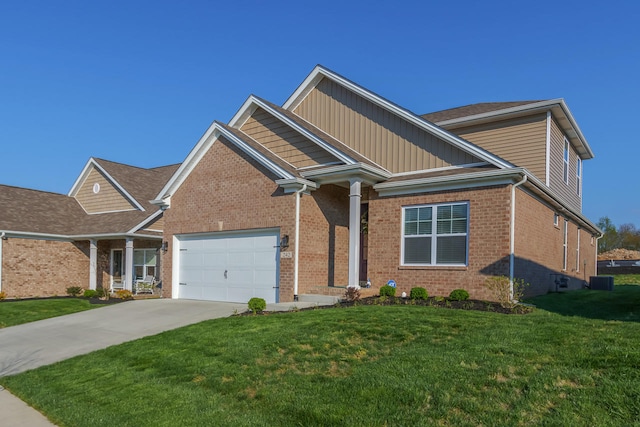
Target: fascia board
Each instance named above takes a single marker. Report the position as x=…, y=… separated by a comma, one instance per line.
x=196, y=154
x=146, y=221
x=70, y=238
x=445, y=183
x=340, y=173
x=311, y=136
x=519, y=109
x=418, y=121
x=85, y=173
x=243, y=113
x=31, y=235
x=292, y=185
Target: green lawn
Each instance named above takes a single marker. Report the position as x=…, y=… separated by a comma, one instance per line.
x=361, y=366
x=17, y=312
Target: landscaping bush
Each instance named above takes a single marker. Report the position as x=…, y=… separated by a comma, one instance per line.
x=459, y=295
x=500, y=287
x=74, y=291
x=387, y=291
x=90, y=293
x=418, y=293
x=100, y=293
x=124, y=294
x=2, y=296
x=256, y=305
x=352, y=294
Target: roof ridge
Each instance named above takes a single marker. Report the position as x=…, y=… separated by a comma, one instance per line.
x=33, y=189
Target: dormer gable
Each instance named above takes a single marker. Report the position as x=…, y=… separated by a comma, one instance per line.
x=98, y=192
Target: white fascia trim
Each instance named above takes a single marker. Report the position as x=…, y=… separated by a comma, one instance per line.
x=295, y=184
x=196, y=154
x=242, y=115
x=318, y=141
x=535, y=106
x=70, y=238
x=85, y=173
x=343, y=172
x=446, y=183
x=106, y=212
x=109, y=236
x=146, y=221
x=445, y=168
x=447, y=136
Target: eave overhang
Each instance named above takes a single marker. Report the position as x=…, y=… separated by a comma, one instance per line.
x=367, y=174
x=9, y=234
x=296, y=184
x=558, y=108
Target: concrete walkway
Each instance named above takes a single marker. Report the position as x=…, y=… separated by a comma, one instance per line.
x=44, y=342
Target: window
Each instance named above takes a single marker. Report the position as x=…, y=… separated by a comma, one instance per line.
x=435, y=234
x=144, y=263
x=564, y=246
x=556, y=217
x=565, y=165
x=578, y=176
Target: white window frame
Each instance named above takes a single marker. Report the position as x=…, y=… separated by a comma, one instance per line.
x=565, y=162
x=565, y=245
x=556, y=218
x=579, y=177
x=434, y=235
x=146, y=264
x=578, y=252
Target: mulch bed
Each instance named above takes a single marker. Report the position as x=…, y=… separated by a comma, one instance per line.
x=91, y=300
x=470, y=304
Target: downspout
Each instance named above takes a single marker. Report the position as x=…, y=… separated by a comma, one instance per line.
x=3, y=237
x=512, y=234
x=297, y=240
x=596, y=257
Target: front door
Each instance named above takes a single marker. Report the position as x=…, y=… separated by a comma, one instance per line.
x=117, y=269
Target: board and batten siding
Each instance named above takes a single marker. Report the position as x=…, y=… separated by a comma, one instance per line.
x=376, y=133
x=284, y=141
x=108, y=199
x=520, y=141
x=556, y=180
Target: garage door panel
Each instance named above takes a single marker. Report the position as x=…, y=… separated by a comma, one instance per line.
x=249, y=260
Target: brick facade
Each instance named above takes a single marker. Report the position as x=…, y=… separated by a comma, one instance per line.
x=489, y=211
x=35, y=268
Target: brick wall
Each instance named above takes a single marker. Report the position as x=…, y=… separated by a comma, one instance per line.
x=489, y=211
x=33, y=268
x=539, y=247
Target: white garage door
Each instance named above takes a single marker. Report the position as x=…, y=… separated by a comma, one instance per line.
x=229, y=267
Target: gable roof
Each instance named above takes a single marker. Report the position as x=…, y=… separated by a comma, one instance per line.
x=492, y=111
x=33, y=212
x=320, y=72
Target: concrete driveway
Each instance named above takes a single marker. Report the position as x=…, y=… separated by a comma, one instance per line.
x=40, y=343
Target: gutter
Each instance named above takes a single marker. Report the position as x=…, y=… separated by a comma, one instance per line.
x=512, y=234
x=296, y=260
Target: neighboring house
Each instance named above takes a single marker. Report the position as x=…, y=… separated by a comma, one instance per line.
x=103, y=234
x=339, y=185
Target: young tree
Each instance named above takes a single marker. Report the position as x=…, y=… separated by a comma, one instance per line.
x=610, y=239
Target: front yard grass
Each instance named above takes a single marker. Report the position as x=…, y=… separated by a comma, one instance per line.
x=360, y=366
x=17, y=312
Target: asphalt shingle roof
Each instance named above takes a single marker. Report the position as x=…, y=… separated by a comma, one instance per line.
x=471, y=110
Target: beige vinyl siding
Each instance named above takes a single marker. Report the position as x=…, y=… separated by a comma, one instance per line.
x=108, y=199
x=284, y=141
x=520, y=141
x=158, y=224
x=377, y=134
x=556, y=181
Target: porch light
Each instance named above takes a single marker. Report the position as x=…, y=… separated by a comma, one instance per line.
x=165, y=246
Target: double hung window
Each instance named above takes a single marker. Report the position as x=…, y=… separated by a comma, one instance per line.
x=435, y=234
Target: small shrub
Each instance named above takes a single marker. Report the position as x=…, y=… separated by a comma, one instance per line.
x=257, y=305
x=387, y=291
x=124, y=294
x=459, y=295
x=418, y=293
x=352, y=294
x=90, y=293
x=501, y=289
x=74, y=291
x=439, y=298
x=2, y=296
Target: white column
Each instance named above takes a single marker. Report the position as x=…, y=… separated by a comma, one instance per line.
x=128, y=264
x=355, y=194
x=93, y=264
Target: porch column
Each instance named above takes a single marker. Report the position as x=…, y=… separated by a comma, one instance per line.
x=128, y=264
x=355, y=194
x=93, y=264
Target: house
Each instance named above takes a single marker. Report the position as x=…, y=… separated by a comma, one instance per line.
x=339, y=185
x=103, y=234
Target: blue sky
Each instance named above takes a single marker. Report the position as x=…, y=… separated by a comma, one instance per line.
x=138, y=82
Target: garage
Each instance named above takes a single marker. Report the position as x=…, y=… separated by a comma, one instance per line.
x=231, y=267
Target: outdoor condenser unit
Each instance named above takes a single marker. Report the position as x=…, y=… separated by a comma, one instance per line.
x=601, y=283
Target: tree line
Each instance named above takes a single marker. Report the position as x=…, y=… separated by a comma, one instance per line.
x=626, y=236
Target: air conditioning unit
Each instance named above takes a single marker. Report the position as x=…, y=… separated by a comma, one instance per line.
x=601, y=283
